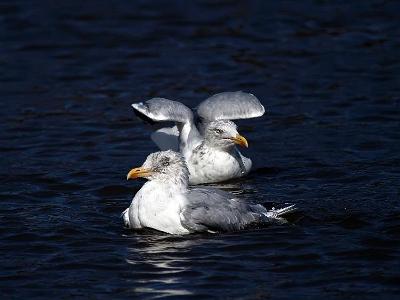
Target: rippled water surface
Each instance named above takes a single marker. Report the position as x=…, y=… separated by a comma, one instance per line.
x=328, y=74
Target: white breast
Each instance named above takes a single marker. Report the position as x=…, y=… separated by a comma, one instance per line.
x=158, y=207
x=214, y=165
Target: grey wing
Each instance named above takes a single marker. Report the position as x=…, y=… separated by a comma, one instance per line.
x=161, y=109
x=230, y=106
x=166, y=138
x=216, y=210
x=164, y=110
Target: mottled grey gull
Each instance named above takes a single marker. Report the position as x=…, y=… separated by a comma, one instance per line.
x=166, y=203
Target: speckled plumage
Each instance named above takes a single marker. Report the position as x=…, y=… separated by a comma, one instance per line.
x=167, y=204
x=210, y=156
x=208, y=164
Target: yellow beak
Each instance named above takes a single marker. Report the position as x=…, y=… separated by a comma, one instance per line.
x=138, y=172
x=240, y=140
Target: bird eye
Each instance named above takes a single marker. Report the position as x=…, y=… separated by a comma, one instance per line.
x=219, y=131
x=165, y=163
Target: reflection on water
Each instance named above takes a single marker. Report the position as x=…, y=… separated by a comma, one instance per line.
x=159, y=253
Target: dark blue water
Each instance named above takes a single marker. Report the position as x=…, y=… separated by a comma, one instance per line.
x=329, y=76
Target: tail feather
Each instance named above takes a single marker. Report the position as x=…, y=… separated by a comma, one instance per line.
x=279, y=213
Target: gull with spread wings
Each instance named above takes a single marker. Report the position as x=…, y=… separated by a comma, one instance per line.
x=207, y=139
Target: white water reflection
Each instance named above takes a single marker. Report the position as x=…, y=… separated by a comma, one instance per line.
x=166, y=257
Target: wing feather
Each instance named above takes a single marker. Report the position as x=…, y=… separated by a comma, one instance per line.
x=230, y=106
x=166, y=138
x=213, y=209
x=161, y=109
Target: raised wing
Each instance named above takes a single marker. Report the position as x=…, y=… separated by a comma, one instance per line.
x=181, y=137
x=166, y=138
x=160, y=109
x=230, y=106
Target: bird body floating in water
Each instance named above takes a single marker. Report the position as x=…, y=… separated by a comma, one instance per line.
x=208, y=145
x=166, y=203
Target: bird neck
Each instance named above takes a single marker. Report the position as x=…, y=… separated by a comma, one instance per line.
x=179, y=182
x=211, y=143
x=188, y=134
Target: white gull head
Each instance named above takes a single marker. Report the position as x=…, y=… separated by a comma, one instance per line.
x=223, y=134
x=163, y=166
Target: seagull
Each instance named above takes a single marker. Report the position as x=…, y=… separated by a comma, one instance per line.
x=207, y=140
x=167, y=203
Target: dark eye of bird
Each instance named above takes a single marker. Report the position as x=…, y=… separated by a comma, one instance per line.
x=219, y=131
x=165, y=162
